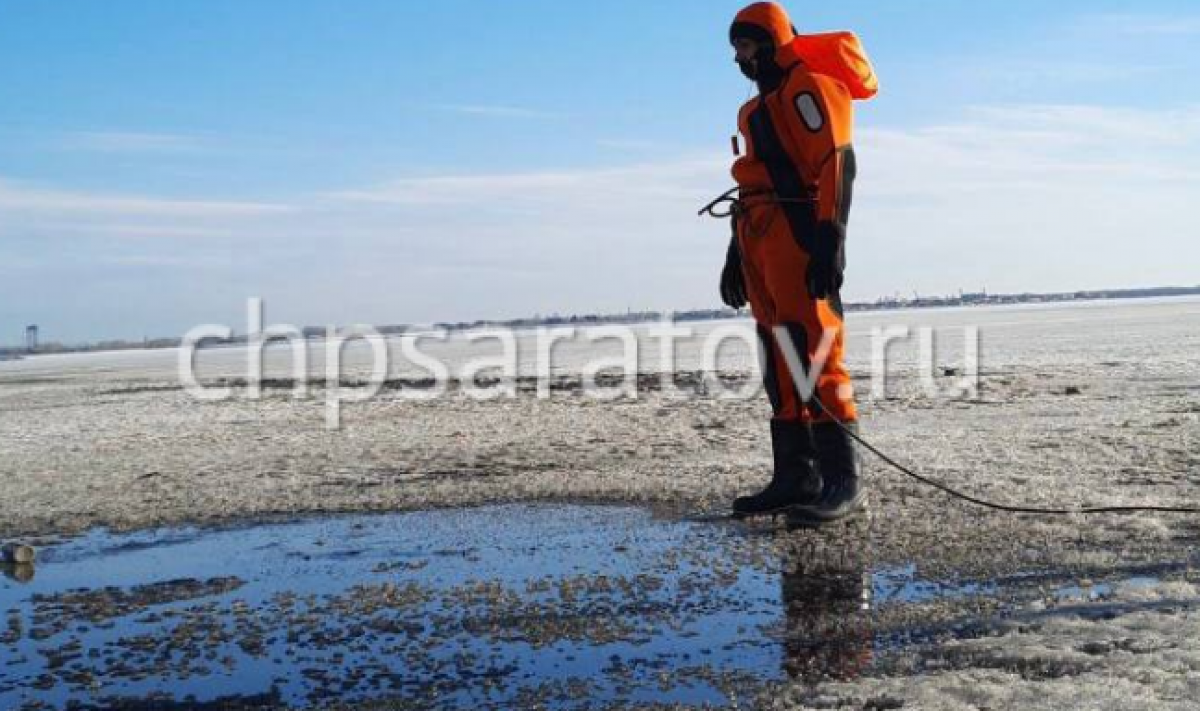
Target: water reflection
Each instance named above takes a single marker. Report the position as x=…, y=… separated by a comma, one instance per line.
x=20, y=572
x=826, y=597
x=480, y=608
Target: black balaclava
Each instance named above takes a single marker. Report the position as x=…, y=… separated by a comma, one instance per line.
x=763, y=70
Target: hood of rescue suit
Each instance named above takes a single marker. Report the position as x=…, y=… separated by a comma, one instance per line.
x=764, y=20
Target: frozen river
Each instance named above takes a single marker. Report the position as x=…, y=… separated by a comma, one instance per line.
x=515, y=536
x=1151, y=334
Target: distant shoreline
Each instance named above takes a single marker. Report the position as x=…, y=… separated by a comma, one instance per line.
x=634, y=317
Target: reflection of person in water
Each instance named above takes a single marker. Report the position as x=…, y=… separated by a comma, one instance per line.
x=829, y=632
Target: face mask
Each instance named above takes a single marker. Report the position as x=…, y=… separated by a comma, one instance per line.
x=748, y=68
x=763, y=68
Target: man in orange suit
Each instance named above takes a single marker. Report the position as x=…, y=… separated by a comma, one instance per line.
x=787, y=254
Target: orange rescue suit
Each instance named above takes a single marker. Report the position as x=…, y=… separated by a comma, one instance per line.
x=796, y=184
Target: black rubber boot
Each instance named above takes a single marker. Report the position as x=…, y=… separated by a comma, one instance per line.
x=794, y=481
x=838, y=467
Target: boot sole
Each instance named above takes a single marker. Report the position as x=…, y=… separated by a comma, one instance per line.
x=781, y=511
x=807, y=517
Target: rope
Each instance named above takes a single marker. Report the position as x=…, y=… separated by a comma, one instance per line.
x=991, y=504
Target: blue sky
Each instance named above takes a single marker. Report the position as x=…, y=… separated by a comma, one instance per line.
x=388, y=162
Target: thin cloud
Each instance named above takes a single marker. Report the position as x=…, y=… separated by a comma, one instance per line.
x=1072, y=124
x=135, y=230
x=133, y=142
x=1143, y=25
x=157, y=261
x=628, y=144
x=1057, y=149
x=1032, y=73
x=21, y=198
x=685, y=178
x=498, y=111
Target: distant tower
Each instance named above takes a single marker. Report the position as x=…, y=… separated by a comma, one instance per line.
x=31, y=337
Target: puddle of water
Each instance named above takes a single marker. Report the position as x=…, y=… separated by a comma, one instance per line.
x=1099, y=591
x=560, y=606
x=903, y=585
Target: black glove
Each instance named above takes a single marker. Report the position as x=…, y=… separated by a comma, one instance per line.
x=733, y=281
x=827, y=261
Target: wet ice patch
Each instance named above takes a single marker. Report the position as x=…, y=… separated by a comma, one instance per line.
x=558, y=605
